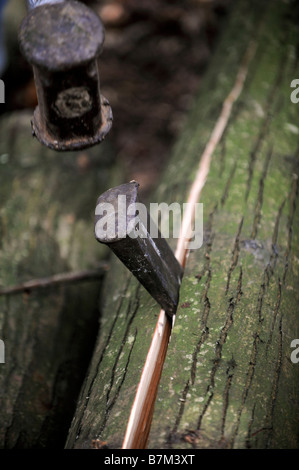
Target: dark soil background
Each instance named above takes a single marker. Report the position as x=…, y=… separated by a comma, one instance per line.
x=154, y=56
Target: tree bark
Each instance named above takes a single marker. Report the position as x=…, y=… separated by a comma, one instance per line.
x=46, y=229
x=228, y=379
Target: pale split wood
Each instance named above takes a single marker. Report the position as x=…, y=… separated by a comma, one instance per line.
x=142, y=410
x=140, y=418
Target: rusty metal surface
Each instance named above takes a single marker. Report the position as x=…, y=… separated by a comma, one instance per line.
x=62, y=141
x=63, y=41
x=61, y=36
x=151, y=260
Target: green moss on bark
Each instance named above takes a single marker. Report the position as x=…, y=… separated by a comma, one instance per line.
x=227, y=380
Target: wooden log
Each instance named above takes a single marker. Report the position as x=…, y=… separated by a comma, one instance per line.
x=228, y=379
x=47, y=326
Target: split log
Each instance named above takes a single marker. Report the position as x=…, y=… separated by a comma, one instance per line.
x=46, y=229
x=228, y=379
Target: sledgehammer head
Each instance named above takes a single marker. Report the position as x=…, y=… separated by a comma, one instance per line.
x=123, y=223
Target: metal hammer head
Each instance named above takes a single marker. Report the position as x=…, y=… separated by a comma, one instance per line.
x=123, y=223
x=62, y=41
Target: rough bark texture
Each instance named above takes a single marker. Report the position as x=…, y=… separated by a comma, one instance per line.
x=228, y=380
x=47, y=204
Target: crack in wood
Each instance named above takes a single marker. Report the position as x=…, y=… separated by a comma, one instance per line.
x=276, y=228
x=268, y=423
x=224, y=331
x=265, y=126
x=249, y=435
x=210, y=235
x=56, y=280
x=206, y=406
x=252, y=362
x=275, y=313
x=94, y=375
x=270, y=416
x=229, y=373
x=235, y=254
x=110, y=402
x=222, y=145
x=205, y=330
x=207, y=306
x=253, y=154
x=228, y=184
x=182, y=406
x=292, y=208
x=268, y=272
x=204, y=335
x=220, y=343
x=259, y=201
x=123, y=342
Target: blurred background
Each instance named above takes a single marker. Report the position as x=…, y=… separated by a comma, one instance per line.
x=155, y=53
